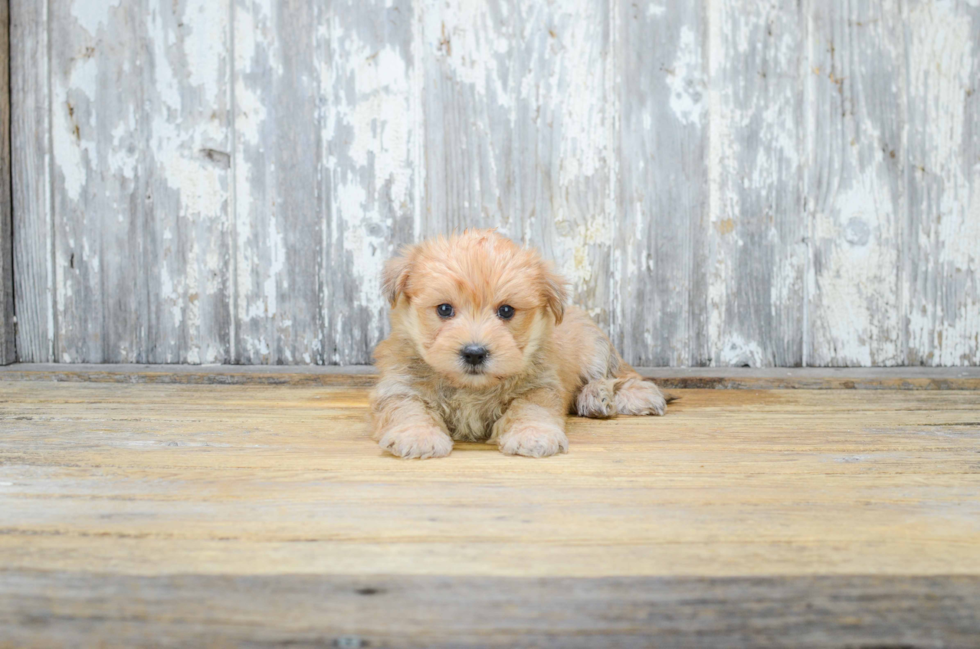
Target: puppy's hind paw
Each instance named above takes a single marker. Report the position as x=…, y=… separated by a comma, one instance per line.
x=639, y=397
x=596, y=400
x=416, y=442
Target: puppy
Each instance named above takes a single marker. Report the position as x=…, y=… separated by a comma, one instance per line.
x=483, y=348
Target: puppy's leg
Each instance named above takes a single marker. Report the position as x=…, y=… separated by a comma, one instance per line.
x=604, y=369
x=534, y=425
x=404, y=427
x=634, y=396
x=597, y=399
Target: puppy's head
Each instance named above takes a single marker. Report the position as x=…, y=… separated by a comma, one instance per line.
x=476, y=306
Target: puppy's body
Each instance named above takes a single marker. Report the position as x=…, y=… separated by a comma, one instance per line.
x=506, y=366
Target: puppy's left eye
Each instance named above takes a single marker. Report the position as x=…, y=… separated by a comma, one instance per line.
x=505, y=312
x=445, y=310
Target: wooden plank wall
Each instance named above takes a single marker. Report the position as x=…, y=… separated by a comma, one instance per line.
x=729, y=182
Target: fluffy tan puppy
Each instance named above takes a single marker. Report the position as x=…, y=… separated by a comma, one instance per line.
x=483, y=348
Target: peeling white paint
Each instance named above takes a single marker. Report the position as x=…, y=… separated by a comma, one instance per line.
x=370, y=120
x=571, y=59
x=738, y=352
x=74, y=151
x=536, y=87
x=250, y=110
x=859, y=322
x=942, y=70
x=206, y=45
x=92, y=14
x=469, y=43
x=686, y=79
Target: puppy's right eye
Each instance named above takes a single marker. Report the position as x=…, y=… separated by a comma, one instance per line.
x=445, y=310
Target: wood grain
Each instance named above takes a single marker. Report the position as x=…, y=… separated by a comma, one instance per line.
x=30, y=126
x=856, y=188
x=185, y=183
x=757, y=253
x=59, y=608
x=942, y=247
x=565, y=163
x=659, y=310
x=97, y=214
x=8, y=349
x=371, y=170
x=276, y=480
x=138, y=212
x=278, y=222
x=772, y=518
x=724, y=184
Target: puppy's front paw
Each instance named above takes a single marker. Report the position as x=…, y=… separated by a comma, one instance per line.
x=639, y=397
x=533, y=439
x=416, y=442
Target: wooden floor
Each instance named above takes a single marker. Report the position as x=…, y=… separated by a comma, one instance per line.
x=148, y=513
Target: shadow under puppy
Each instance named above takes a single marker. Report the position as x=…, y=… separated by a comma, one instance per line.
x=482, y=347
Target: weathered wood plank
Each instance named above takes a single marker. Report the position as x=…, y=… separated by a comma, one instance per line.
x=371, y=168
x=659, y=265
x=96, y=54
x=565, y=163
x=904, y=378
x=856, y=183
x=942, y=251
x=8, y=349
x=30, y=110
x=241, y=480
x=504, y=146
x=278, y=221
x=185, y=182
x=63, y=608
x=756, y=238
x=469, y=78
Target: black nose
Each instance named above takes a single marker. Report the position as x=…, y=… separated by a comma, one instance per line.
x=474, y=354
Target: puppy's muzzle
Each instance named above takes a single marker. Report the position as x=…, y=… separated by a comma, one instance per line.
x=474, y=355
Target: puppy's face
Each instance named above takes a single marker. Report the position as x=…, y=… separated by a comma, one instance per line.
x=476, y=306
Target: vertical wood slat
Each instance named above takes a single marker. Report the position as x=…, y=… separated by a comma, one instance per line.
x=942, y=247
x=468, y=108
x=468, y=92
x=660, y=250
x=506, y=148
x=565, y=138
x=34, y=282
x=855, y=186
x=96, y=174
x=369, y=129
x=185, y=182
x=277, y=219
x=756, y=238
x=8, y=350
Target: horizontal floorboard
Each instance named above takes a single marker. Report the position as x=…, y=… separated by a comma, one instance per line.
x=812, y=378
x=148, y=513
x=59, y=609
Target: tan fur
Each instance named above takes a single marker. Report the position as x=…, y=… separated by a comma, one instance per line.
x=545, y=362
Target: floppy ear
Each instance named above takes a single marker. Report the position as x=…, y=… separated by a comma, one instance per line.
x=394, y=279
x=555, y=295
